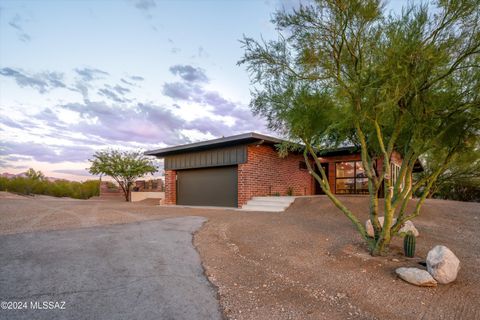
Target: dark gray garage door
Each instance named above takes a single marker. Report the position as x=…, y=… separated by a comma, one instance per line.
x=207, y=187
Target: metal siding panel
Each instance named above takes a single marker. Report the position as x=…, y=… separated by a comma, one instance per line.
x=168, y=163
x=210, y=158
x=227, y=157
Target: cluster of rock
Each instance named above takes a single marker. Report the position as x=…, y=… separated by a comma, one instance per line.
x=406, y=227
x=442, y=267
x=442, y=264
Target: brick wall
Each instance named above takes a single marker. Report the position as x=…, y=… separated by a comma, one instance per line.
x=170, y=187
x=265, y=173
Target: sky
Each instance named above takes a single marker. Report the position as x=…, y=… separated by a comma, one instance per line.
x=81, y=76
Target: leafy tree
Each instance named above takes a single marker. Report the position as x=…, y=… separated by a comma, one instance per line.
x=343, y=72
x=461, y=181
x=35, y=175
x=124, y=167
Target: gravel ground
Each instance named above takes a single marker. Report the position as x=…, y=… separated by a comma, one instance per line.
x=306, y=263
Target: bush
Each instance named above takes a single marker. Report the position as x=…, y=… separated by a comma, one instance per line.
x=3, y=183
x=59, y=188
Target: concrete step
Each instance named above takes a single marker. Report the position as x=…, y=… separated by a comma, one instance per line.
x=252, y=207
x=276, y=199
x=268, y=204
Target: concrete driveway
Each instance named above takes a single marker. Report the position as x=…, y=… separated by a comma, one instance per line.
x=144, y=270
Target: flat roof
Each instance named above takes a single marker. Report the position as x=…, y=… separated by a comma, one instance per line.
x=244, y=138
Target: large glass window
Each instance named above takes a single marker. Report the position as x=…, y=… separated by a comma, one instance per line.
x=350, y=178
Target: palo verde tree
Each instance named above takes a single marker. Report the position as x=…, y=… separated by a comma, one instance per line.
x=35, y=175
x=123, y=166
x=343, y=72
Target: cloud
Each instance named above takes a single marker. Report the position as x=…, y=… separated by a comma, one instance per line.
x=189, y=73
x=42, y=82
x=126, y=82
x=46, y=153
x=145, y=5
x=121, y=90
x=115, y=93
x=186, y=91
x=89, y=74
x=16, y=23
x=181, y=91
x=146, y=123
x=137, y=78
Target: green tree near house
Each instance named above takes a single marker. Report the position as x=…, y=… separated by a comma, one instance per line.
x=123, y=166
x=345, y=72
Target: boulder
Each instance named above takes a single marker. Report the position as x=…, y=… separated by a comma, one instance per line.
x=416, y=276
x=443, y=264
x=369, y=225
x=407, y=226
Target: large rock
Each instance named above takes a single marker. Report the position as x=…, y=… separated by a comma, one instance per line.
x=416, y=276
x=407, y=226
x=443, y=264
x=369, y=225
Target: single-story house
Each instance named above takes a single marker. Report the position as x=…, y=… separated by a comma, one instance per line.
x=231, y=170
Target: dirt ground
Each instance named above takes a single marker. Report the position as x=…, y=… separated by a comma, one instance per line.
x=306, y=263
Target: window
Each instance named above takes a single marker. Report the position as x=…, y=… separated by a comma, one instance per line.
x=350, y=178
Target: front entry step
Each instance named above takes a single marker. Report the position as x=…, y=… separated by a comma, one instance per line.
x=270, y=204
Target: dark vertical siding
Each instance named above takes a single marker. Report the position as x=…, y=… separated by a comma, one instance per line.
x=208, y=158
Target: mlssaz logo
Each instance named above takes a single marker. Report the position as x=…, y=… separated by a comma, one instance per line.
x=47, y=305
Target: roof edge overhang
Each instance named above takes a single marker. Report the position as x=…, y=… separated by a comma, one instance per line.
x=245, y=138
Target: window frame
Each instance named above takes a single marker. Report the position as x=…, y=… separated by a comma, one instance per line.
x=354, y=178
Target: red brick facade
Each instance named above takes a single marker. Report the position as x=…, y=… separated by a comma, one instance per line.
x=265, y=174
x=170, y=187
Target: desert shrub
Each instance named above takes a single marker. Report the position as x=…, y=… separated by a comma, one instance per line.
x=3, y=183
x=59, y=188
x=290, y=191
x=20, y=185
x=91, y=188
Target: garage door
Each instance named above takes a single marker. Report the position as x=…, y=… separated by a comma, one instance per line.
x=207, y=187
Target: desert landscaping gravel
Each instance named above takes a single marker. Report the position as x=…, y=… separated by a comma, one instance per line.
x=305, y=263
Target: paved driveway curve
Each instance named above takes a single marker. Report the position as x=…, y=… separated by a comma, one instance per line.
x=144, y=270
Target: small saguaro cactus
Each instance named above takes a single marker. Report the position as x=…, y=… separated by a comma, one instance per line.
x=409, y=244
